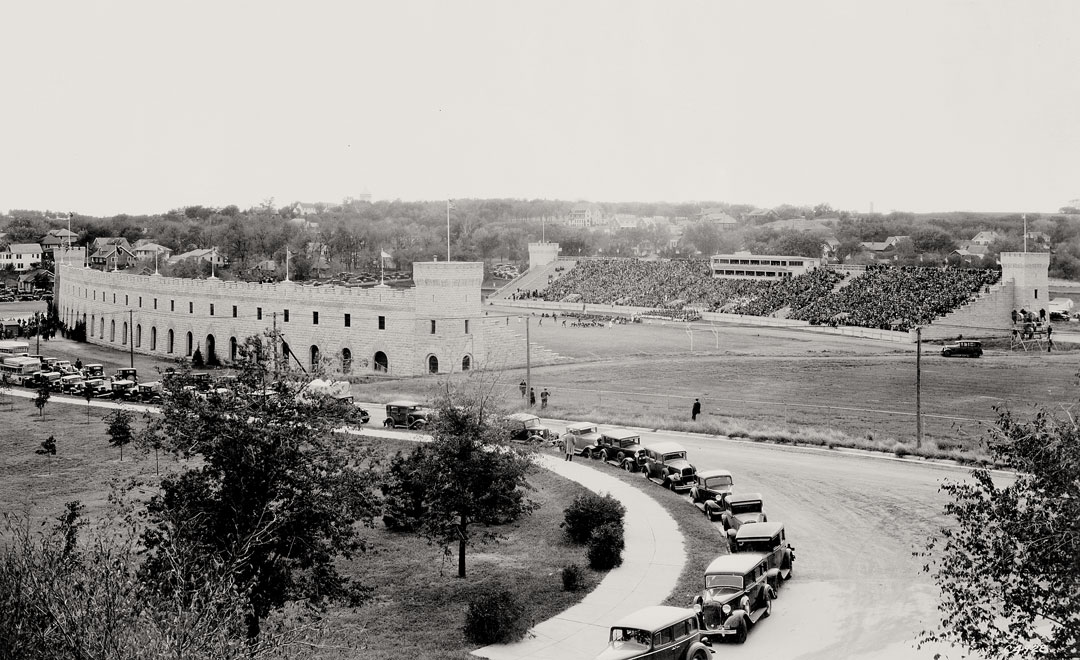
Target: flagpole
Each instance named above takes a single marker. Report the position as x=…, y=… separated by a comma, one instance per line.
x=448, y=229
x=382, y=264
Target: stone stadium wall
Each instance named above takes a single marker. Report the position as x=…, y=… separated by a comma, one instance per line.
x=439, y=318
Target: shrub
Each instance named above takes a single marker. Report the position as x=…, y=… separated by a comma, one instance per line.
x=901, y=450
x=404, y=491
x=605, y=547
x=589, y=512
x=573, y=577
x=495, y=616
x=197, y=359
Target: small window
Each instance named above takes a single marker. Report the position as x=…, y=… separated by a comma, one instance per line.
x=382, y=323
x=140, y=301
x=191, y=308
x=348, y=320
x=466, y=326
x=314, y=318
x=286, y=316
x=258, y=313
x=126, y=300
x=155, y=303
x=172, y=305
x=234, y=311
x=432, y=326
x=211, y=309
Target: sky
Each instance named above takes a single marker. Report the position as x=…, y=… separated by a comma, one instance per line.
x=141, y=107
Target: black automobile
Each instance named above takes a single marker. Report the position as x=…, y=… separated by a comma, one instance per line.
x=962, y=348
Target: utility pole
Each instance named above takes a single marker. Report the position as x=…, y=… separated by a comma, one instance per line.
x=528, y=362
x=918, y=387
x=37, y=331
x=131, y=337
x=273, y=338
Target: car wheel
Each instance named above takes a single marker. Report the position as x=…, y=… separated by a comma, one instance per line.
x=946, y=354
x=603, y=455
x=389, y=423
x=740, y=632
x=700, y=654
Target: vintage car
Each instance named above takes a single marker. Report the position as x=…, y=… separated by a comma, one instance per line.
x=526, y=427
x=586, y=437
x=659, y=631
x=126, y=373
x=71, y=384
x=404, y=414
x=617, y=444
x=710, y=491
x=124, y=389
x=49, y=379
x=93, y=371
x=770, y=540
x=150, y=391
x=665, y=463
x=968, y=347
x=743, y=508
x=65, y=367
x=737, y=595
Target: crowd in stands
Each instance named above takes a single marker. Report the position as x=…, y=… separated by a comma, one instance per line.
x=883, y=297
x=899, y=299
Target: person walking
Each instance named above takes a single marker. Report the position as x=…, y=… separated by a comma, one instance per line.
x=532, y=397
x=544, y=399
x=1049, y=341
x=522, y=388
x=568, y=446
x=696, y=410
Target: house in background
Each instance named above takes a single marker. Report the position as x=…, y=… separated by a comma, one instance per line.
x=36, y=281
x=112, y=253
x=585, y=215
x=718, y=217
x=209, y=255
x=21, y=256
x=146, y=251
x=58, y=238
x=985, y=238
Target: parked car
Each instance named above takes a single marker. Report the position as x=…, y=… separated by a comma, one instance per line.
x=660, y=631
x=1059, y=315
x=150, y=391
x=768, y=539
x=665, y=463
x=964, y=347
x=526, y=427
x=65, y=367
x=586, y=436
x=742, y=509
x=93, y=371
x=127, y=373
x=617, y=444
x=406, y=415
x=124, y=389
x=737, y=595
x=710, y=491
x=71, y=383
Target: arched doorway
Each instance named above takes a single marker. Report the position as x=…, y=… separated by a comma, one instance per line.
x=190, y=346
x=112, y=331
x=123, y=334
x=313, y=354
x=93, y=322
x=211, y=350
x=432, y=364
x=171, y=343
x=466, y=363
x=101, y=335
x=381, y=363
x=346, y=361
x=232, y=349
x=153, y=338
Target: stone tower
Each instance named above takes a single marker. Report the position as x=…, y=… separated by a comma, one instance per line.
x=541, y=254
x=1029, y=272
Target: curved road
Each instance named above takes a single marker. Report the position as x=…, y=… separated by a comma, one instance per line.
x=854, y=519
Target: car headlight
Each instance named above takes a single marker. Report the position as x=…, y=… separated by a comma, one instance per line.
x=726, y=609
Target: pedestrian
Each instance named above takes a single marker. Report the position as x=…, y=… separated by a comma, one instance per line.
x=696, y=410
x=522, y=387
x=78, y=364
x=532, y=397
x=1049, y=341
x=544, y=399
x=568, y=446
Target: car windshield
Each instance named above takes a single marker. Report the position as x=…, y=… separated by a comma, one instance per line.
x=532, y=423
x=717, y=482
x=584, y=430
x=723, y=581
x=630, y=638
x=626, y=442
x=674, y=455
x=753, y=506
x=757, y=545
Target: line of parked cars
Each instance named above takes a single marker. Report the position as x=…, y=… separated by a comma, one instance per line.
x=90, y=381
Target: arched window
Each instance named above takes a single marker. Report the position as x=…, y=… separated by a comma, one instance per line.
x=190, y=344
x=101, y=334
x=112, y=330
x=346, y=361
x=432, y=364
x=381, y=363
x=138, y=335
x=93, y=322
x=232, y=349
x=170, y=343
x=123, y=334
x=153, y=338
x=466, y=363
x=314, y=357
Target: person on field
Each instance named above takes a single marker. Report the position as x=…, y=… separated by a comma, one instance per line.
x=522, y=388
x=544, y=398
x=568, y=446
x=696, y=410
x=532, y=396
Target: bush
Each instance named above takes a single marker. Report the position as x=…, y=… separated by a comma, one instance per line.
x=573, y=577
x=197, y=359
x=404, y=492
x=588, y=513
x=495, y=616
x=605, y=547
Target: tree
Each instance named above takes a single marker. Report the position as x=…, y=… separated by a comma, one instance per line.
x=120, y=431
x=42, y=398
x=473, y=476
x=47, y=448
x=275, y=494
x=1007, y=565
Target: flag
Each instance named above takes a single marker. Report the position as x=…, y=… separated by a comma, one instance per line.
x=450, y=205
x=384, y=254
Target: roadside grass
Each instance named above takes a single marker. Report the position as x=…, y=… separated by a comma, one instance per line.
x=418, y=602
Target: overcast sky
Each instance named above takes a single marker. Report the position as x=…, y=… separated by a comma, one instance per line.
x=140, y=107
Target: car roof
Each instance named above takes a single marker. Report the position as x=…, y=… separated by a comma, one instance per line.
x=620, y=434
x=522, y=417
x=654, y=617
x=403, y=403
x=665, y=447
x=761, y=530
x=741, y=562
x=745, y=497
x=580, y=425
x=705, y=474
